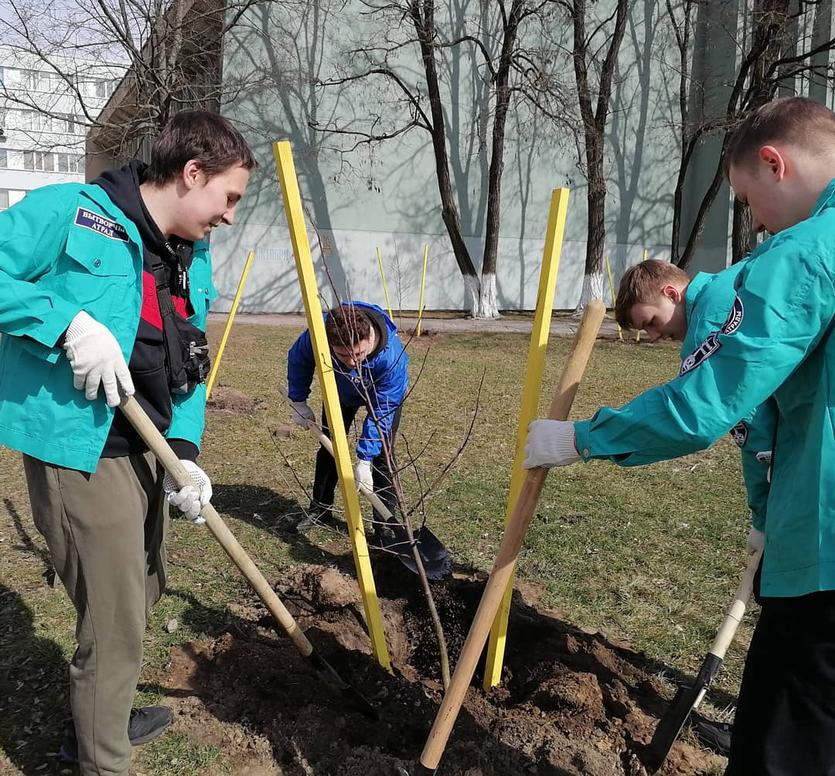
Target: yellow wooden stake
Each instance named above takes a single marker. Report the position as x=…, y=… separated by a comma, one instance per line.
x=286, y=172
x=612, y=290
x=638, y=333
x=528, y=411
x=216, y=365
x=422, y=286
x=383, y=278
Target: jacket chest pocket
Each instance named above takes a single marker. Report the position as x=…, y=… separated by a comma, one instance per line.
x=94, y=270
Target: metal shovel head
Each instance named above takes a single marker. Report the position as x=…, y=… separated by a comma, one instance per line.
x=351, y=695
x=684, y=702
x=419, y=770
x=435, y=556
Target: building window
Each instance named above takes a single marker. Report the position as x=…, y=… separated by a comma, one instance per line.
x=43, y=161
x=4, y=158
x=4, y=199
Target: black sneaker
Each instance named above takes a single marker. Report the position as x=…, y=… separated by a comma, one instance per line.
x=715, y=736
x=145, y=725
x=317, y=517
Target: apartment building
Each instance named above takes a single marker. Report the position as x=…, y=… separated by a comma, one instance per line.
x=45, y=110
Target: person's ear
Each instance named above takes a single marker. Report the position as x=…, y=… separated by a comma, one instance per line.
x=672, y=293
x=192, y=173
x=774, y=160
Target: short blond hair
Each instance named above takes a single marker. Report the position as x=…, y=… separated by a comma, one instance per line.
x=642, y=284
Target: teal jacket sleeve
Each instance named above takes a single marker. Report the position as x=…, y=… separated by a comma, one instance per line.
x=755, y=435
x=785, y=301
x=188, y=413
x=32, y=235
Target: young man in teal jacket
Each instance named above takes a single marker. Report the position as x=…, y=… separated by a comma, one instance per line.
x=104, y=289
x=778, y=343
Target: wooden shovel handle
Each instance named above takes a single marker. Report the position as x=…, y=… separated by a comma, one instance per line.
x=736, y=611
x=514, y=534
x=373, y=499
x=324, y=440
x=158, y=445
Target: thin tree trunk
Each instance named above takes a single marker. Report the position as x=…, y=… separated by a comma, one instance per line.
x=424, y=24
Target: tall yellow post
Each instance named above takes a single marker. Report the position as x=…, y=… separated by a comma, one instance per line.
x=530, y=399
x=612, y=290
x=422, y=286
x=286, y=172
x=383, y=278
x=216, y=365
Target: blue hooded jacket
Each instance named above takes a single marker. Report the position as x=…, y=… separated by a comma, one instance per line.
x=384, y=377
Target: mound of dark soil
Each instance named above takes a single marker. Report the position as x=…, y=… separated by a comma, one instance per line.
x=224, y=399
x=571, y=702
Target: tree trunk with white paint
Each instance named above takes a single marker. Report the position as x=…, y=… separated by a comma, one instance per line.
x=592, y=289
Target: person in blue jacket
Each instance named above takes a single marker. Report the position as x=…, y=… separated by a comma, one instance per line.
x=372, y=371
x=104, y=290
x=779, y=342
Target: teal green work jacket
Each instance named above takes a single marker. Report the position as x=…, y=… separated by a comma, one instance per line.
x=778, y=342
x=709, y=303
x=66, y=248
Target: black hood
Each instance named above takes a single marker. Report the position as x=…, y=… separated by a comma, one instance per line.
x=122, y=186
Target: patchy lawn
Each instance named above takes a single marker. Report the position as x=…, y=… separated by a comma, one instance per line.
x=647, y=556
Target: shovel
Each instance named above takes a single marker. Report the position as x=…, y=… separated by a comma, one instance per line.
x=502, y=571
x=687, y=699
x=171, y=463
x=435, y=557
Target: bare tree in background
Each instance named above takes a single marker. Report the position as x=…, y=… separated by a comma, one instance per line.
x=167, y=54
x=501, y=44
x=594, y=56
x=773, y=55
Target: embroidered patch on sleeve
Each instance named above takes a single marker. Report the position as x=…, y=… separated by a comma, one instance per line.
x=99, y=223
x=734, y=318
x=704, y=351
x=739, y=433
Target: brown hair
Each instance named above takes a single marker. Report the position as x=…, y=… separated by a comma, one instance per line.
x=203, y=136
x=346, y=325
x=796, y=120
x=642, y=284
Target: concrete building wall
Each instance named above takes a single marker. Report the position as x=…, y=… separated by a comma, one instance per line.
x=385, y=196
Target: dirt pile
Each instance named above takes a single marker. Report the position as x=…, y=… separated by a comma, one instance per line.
x=571, y=703
x=229, y=400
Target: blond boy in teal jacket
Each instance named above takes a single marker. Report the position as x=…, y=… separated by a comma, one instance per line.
x=780, y=343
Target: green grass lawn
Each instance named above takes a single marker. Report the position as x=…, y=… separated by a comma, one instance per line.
x=648, y=555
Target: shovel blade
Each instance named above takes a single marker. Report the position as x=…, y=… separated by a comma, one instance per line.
x=351, y=695
x=435, y=557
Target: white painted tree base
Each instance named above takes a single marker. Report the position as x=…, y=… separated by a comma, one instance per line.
x=482, y=301
x=592, y=289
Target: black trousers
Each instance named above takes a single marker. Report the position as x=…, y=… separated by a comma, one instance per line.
x=785, y=720
x=325, y=477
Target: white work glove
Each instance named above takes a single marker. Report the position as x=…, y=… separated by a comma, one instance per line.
x=363, y=476
x=550, y=443
x=755, y=542
x=192, y=498
x=96, y=358
x=302, y=414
